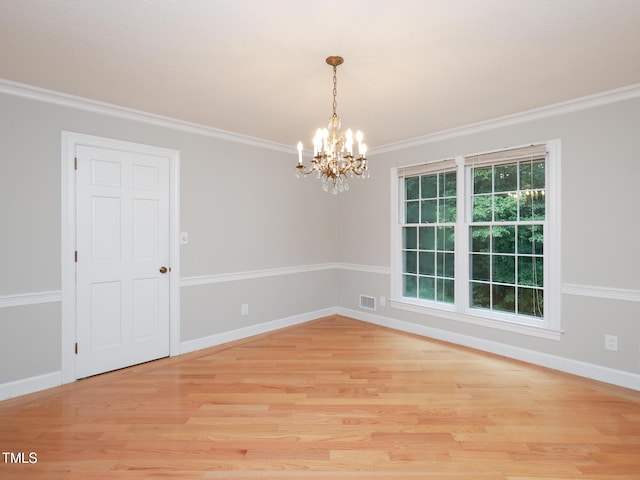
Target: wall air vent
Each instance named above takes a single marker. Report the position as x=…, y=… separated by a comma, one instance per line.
x=367, y=302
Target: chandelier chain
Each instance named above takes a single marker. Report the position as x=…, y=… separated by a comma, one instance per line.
x=335, y=90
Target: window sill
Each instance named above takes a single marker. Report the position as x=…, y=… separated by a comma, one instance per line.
x=449, y=313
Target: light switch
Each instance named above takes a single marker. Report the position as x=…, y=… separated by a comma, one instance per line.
x=184, y=237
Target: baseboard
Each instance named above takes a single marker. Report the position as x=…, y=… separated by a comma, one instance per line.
x=575, y=367
x=245, y=332
x=30, y=385
x=562, y=364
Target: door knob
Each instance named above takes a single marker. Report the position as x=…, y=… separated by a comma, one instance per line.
x=163, y=269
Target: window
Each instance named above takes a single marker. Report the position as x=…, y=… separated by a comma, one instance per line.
x=476, y=237
x=428, y=246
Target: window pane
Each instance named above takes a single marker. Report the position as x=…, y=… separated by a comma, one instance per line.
x=531, y=302
x=412, y=188
x=429, y=211
x=505, y=207
x=525, y=201
x=450, y=186
x=481, y=267
x=531, y=271
x=446, y=266
x=532, y=205
x=410, y=286
x=538, y=202
x=504, y=298
x=427, y=239
x=447, y=210
x=427, y=263
x=446, y=239
x=480, y=239
x=504, y=239
x=532, y=175
x=413, y=212
x=539, y=175
x=429, y=186
x=482, y=206
x=445, y=290
x=504, y=269
x=410, y=262
x=410, y=238
x=427, y=288
x=449, y=265
x=505, y=178
x=526, y=176
x=482, y=180
x=530, y=239
x=449, y=291
x=480, y=295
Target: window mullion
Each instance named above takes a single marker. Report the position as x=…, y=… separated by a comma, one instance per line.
x=461, y=248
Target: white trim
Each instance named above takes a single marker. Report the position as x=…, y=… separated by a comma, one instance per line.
x=562, y=364
x=30, y=385
x=364, y=268
x=582, y=103
x=249, y=275
x=273, y=272
x=483, y=321
x=82, y=103
x=69, y=142
x=246, y=332
x=53, y=296
x=576, y=367
x=30, y=298
x=553, y=236
x=95, y=106
x=623, y=294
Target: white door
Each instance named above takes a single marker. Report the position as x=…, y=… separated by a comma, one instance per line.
x=122, y=242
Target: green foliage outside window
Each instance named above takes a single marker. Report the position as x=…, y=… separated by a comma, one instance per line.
x=506, y=263
x=507, y=238
x=429, y=237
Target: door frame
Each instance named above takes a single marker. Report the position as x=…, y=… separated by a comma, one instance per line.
x=70, y=141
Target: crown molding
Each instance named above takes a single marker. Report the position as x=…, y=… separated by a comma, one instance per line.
x=86, y=104
x=582, y=103
x=82, y=103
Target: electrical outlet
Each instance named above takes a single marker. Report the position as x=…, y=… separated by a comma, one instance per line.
x=611, y=342
x=383, y=301
x=244, y=309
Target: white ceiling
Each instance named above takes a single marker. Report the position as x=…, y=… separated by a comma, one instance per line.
x=257, y=67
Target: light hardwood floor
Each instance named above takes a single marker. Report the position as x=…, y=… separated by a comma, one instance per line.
x=330, y=399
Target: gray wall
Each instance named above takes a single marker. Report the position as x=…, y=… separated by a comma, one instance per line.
x=242, y=206
x=600, y=230
x=245, y=212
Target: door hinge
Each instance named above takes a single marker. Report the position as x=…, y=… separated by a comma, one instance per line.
x=76, y=348
x=76, y=256
x=75, y=163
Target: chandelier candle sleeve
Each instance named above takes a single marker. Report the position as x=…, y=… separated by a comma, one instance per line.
x=333, y=160
x=299, y=153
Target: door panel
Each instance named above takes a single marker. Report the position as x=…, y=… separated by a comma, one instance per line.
x=122, y=238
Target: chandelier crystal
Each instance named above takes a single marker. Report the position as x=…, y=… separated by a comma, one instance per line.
x=333, y=156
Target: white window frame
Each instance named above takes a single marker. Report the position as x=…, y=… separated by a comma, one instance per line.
x=550, y=326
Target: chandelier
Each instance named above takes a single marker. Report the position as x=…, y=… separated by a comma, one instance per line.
x=333, y=159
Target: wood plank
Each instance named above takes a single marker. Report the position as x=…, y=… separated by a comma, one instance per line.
x=333, y=398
